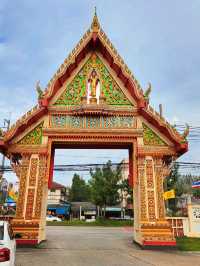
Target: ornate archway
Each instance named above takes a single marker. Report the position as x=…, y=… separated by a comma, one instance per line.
x=108, y=109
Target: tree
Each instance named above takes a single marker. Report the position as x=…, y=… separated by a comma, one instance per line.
x=182, y=184
x=173, y=178
x=171, y=183
x=185, y=185
x=80, y=191
x=104, y=185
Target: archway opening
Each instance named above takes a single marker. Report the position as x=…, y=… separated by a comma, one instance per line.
x=74, y=164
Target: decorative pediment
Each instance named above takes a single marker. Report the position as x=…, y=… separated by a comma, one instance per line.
x=116, y=97
x=34, y=137
x=151, y=138
x=102, y=85
x=92, y=122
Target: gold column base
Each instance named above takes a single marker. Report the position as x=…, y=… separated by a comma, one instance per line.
x=155, y=234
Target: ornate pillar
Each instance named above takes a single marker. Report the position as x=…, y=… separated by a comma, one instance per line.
x=151, y=228
x=29, y=223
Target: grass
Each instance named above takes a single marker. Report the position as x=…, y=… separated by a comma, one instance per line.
x=188, y=244
x=98, y=222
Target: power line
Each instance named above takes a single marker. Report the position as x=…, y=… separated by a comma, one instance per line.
x=88, y=167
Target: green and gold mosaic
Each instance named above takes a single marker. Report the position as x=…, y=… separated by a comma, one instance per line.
x=97, y=122
x=77, y=88
x=150, y=137
x=34, y=137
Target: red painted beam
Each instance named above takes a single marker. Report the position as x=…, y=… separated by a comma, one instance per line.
x=29, y=242
x=51, y=169
x=159, y=243
x=130, y=176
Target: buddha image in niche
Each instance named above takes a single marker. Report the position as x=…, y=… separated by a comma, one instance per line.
x=93, y=87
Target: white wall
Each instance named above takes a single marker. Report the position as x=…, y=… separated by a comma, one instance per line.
x=54, y=197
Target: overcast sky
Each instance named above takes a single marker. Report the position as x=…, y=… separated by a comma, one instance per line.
x=159, y=41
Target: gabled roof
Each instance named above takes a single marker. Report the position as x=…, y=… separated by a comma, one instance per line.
x=56, y=185
x=96, y=39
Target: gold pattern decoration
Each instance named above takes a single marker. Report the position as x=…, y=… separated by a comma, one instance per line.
x=151, y=138
x=40, y=185
x=33, y=172
x=142, y=189
x=34, y=137
x=29, y=203
x=95, y=23
x=22, y=187
x=77, y=88
x=150, y=190
x=159, y=172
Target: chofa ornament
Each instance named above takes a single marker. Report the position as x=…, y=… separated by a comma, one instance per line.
x=186, y=131
x=39, y=90
x=147, y=92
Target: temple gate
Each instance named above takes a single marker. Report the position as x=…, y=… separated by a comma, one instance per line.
x=93, y=101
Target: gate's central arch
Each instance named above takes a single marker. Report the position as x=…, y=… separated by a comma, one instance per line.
x=93, y=100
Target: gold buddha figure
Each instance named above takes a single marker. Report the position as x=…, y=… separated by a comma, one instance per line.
x=93, y=86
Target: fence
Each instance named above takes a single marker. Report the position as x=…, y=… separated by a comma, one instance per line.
x=179, y=225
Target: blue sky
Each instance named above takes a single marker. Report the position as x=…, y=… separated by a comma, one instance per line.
x=159, y=42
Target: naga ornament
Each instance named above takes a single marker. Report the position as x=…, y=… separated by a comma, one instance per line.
x=39, y=90
x=147, y=92
x=186, y=131
x=1, y=133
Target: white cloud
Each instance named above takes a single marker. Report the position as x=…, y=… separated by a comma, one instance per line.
x=37, y=36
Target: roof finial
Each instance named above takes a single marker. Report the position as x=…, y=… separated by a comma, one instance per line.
x=95, y=23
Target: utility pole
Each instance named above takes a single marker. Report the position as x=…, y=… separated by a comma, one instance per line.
x=2, y=194
x=6, y=126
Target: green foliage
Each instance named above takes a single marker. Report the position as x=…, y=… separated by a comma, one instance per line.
x=196, y=192
x=104, y=185
x=173, y=178
x=98, y=222
x=80, y=191
x=182, y=184
x=188, y=244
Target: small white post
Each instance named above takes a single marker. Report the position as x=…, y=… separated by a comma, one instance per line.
x=80, y=212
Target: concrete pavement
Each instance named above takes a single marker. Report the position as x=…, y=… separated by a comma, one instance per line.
x=98, y=246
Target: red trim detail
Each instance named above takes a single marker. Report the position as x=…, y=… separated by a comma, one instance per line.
x=56, y=185
x=96, y=44
x=159, y=243
x=27, y=241
x=43, y=102
x=3, y=146
x=32, y=120
x=51, y=169
x=180, y=147
x=130, y=176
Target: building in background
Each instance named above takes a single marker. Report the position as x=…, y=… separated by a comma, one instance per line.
x=126, y=203
x=83, y=210
x=58, y=194
x=125, y=169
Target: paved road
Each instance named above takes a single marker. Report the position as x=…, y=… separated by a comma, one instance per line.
x=98, y=246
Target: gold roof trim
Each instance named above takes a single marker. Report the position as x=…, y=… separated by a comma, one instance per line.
x=164, y=122
x=95, y=27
